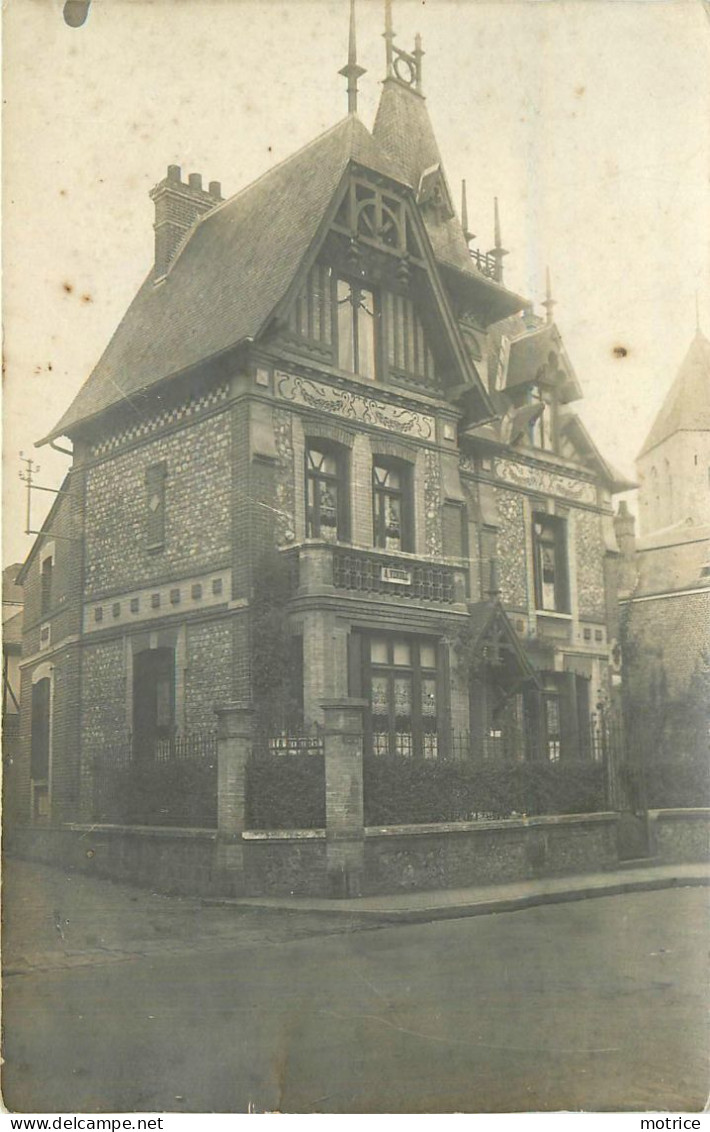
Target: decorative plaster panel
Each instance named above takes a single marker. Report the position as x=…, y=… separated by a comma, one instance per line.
x=545, y=481
x=354, y=406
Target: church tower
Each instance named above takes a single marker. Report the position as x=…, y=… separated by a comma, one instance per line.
x=674, y=464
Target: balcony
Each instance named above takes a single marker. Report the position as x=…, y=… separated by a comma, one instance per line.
x=321, y=567
x=485, y=262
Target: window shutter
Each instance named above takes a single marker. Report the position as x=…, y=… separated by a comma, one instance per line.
x=355, y=684
x=453, y=530
x=39, y=753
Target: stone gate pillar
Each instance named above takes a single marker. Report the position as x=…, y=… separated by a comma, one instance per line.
x=344, y=813
x=234, y=742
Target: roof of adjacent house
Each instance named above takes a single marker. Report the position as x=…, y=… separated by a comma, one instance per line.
x=231, y=272
x=687, y=404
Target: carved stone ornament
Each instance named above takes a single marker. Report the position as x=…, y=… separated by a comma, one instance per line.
x=353, y=406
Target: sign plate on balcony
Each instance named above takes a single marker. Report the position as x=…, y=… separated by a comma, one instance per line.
x=398, y=575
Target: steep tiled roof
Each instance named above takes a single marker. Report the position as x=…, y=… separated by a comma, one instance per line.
x=231, y=272
x=404, y=131
x=687, y=405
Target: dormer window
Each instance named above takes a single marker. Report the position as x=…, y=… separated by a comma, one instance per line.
x=541, y=429
x=357, y=320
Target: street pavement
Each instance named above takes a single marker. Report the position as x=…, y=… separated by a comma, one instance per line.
x=598, y=1005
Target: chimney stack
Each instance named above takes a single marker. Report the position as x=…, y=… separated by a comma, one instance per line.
x=625, y=530
x=177, y=207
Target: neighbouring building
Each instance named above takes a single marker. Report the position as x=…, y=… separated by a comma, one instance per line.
x=326, y=453
x=665, y=572
x=12, y=602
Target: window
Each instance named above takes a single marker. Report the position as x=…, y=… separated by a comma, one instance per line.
x=541, y=427
x=356, y=329
x=153, y=699
x=155, y=476
x=46, y=584
x=551, y=704
x=326, y=515
x=550, y=551
x=407, y=348
x=391, y=485
x=401, y=681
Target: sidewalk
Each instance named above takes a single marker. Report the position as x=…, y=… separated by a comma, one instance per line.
x=443, y=904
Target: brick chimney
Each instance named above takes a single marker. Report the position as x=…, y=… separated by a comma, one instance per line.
x=625, y=530
x=177, y=207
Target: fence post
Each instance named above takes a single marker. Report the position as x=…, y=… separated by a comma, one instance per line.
x=344, y=812
x=234, y=743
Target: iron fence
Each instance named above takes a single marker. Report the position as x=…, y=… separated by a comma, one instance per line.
x=171, y=781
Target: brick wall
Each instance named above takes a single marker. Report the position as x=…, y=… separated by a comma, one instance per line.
x=668, y=638
x=511, y=543
x=590, y=554
x=197, y=524
x=208, y=679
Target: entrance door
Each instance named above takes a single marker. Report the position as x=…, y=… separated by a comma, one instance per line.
x=153, y=699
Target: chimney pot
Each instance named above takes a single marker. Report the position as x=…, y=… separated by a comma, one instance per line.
x=216, y=190
x=174, y=173
x=195, y=181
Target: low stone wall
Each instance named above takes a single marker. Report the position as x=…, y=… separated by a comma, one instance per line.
x=285, y=862
x=473, y=853
x=454, y=855
x=397, y=858
x=680, y=835
x=165, y=860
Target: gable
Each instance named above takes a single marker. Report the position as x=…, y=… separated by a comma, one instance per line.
x=375, y=241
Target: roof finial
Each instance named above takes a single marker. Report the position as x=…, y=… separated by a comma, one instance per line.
x=549, y=303
x=498, y=250
x=468, y=236
x=389, y=38
x=352, y=71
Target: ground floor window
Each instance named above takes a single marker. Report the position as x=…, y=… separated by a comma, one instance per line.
x=402, y=686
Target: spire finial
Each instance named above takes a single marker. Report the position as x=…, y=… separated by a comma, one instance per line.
x=389, y=38
x=498, y=250
x=351, y=70
x=404, y=66
x=549, y=303
x=468, y=236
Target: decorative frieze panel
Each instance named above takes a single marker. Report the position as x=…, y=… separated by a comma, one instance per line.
x=138, y=606
x=545, y=481
x=354, y=406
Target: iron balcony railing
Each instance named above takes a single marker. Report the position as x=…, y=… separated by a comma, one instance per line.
x=372, y=573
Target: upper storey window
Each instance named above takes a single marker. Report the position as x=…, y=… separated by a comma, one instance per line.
x=391, y=483
x=542, y=428
x=326, y=496
x=357, y=320
x=550, y=563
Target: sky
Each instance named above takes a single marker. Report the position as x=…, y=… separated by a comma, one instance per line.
x=587, y=119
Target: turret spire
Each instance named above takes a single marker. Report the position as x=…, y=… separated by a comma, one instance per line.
x=498, y=250
x=549, y=303
x=404, y=66
x=351, y=71
x=468, y=236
